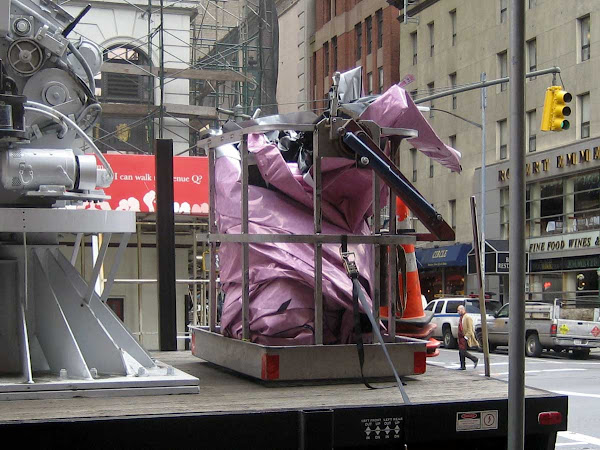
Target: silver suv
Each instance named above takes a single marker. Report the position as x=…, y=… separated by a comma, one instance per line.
x=446, y=317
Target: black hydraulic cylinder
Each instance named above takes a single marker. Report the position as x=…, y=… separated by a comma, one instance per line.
x=390, y=174
x=165, y=243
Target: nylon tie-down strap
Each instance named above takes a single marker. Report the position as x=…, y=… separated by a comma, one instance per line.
x=358, y=295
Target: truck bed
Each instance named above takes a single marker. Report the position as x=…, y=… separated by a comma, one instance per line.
x=234, y=411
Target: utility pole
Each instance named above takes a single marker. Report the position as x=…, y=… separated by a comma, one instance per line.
x=161, y=71
x=483, y=169
x=516, y=333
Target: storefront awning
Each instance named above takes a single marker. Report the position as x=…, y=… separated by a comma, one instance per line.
x=450, y=256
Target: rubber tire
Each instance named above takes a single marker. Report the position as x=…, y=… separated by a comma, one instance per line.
x=533, y=348
x=449, y=340
x=583, y=353
x=479, y=338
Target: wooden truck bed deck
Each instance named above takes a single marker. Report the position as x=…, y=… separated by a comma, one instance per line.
x=232, y=409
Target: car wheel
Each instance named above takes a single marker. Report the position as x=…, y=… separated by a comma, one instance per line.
x=581, y=353
x=449, y=341
x=533, y=346
x=479, y=336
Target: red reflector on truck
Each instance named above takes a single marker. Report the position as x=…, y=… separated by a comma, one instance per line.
x=420, y=364
x=553, y=329
x=270, y=367
x=549, y=418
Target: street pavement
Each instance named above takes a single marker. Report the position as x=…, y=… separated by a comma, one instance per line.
x=556, y=373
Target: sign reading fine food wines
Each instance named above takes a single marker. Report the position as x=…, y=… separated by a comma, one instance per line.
x=134, y=185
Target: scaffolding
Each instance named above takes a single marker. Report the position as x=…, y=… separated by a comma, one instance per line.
x=231, y=66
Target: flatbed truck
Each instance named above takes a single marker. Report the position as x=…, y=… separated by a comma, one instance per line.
x=447, y=409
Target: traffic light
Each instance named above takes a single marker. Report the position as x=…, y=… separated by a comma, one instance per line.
x=556, y=109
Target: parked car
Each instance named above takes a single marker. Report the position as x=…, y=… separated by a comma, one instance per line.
x=562, y=325
x=446, y=317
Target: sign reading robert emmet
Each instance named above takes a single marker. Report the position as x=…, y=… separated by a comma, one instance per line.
x=562, y=161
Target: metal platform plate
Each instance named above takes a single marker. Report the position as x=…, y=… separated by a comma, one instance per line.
x=55, y=220
x=307, y=362
x=161, y=380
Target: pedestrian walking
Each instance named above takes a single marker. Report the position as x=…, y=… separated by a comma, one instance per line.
x=466, y=338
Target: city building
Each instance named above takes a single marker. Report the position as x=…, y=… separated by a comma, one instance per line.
x=453, y=43
x=350, y=34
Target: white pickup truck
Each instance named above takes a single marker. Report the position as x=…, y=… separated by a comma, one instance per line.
x=562, y=325
x=446, y=317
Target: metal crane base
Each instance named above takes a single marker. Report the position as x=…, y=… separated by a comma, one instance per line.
x=58, y=337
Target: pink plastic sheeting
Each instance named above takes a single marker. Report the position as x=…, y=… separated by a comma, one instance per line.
x=396, y=109
x=281, y=275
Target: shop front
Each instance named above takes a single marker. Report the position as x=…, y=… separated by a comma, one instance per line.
x=442, y=270
x=562, y=226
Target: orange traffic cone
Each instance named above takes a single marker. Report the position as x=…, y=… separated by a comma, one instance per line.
x=414, y=302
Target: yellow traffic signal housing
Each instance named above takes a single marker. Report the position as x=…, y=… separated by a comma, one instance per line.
x=556, y=109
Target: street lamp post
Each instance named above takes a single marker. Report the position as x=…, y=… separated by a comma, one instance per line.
x=483, y=162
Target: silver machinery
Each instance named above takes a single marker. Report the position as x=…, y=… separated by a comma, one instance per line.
x=57, y=335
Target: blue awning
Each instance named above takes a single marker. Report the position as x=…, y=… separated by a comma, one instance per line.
x=450, y=256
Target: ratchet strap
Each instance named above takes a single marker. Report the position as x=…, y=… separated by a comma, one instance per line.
x=348, y=259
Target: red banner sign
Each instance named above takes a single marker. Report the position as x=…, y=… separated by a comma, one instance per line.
x=134, y=186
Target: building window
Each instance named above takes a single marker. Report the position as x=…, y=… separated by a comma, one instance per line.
x=122, y=133
x=584, y=115
x=532, y=4
x=586, y=201
x=452, y=77
x=379, y=16
x=430, y=89
x=584, y=28
x=326, y=58
x=532, y=56
x=334, y=47
x=118, y=87
x=413, y=157
x=370, y=82
x=452, y=213
x=504, y=213
x=327, y=11
x=502, y=131
x=531, y=131
x=551, y=207
x=413, y=41
x=380, y=79
x=453, y=26
x=431, y=168
x=430, y=27
x=116, y=304
x=503, y=69
x=503, y=11
x=369, y=22
x=314, y=79
x=358, y=32
x=452, y=141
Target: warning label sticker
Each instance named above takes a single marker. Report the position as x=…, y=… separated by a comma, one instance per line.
x=477, y=420
x=382, y=428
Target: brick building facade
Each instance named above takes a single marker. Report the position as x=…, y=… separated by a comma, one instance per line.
x=354, y=33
